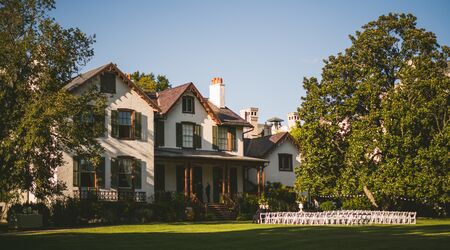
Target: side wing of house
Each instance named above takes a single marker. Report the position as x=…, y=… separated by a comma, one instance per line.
x=283, y=154
x=127, y=165
x=282, y=162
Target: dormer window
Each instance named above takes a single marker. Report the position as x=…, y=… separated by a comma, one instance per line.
x=188, y=105
x=108, y=83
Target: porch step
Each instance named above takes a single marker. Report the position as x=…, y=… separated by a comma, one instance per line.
x=221, y=211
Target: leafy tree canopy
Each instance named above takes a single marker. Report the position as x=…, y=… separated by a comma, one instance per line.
x=150, y=83
x=37, y=58
x=378, y=120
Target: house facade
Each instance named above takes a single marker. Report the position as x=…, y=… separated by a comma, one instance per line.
x=199, y=144
x=174, y=140
x=127, y=164
x=272, y=142
x=282, y=152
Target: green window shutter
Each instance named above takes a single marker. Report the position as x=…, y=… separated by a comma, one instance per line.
x=232, y=132
x=115, y=123
x=280, y=162
x=179, y=135
x=215, y=132
x=137, y=174
x=137, y=125
x=100, y=173
x=159, y=131
x=197, y=136
x=76, y=171
x=114, y=173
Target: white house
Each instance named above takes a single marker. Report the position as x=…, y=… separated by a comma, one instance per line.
x=174, y=140
x=199, y=142
x=272, y=142
x=283, y=153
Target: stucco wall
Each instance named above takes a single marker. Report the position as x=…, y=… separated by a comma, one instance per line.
x=141, y=149
x=272, y=173
x=201, y=117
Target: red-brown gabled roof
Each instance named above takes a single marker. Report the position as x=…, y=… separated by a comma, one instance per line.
x=110, y=67
x=166, y=99
x=261, y=147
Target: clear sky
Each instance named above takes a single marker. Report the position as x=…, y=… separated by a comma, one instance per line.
x=262, y=49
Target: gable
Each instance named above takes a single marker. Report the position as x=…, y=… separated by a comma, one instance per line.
x=94, y=75
x=262, y=147
x=167, y=99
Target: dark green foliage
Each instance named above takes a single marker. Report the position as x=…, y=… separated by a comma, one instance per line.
x=169, y=206
x=26, y=208
x=357, y=203
x=150, y=83
x=248, y=205
x=280, y=198
x=39, y=119
x=391, y=90
x=327, y=206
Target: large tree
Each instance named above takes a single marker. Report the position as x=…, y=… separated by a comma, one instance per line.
x=378, y=121
x=150, y=83
x=39, y=119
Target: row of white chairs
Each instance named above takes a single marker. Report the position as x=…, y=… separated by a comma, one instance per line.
x=341, y=217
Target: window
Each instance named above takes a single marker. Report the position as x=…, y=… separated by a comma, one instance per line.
x=126, y=173
x=93, y=121
x=285, y=162
x=126, y=124
x=108, y=83
x=87, y=175
x=224, y=138
x=188, y=135
x=188, y=104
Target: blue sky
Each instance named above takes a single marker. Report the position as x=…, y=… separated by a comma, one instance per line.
x=262, y=49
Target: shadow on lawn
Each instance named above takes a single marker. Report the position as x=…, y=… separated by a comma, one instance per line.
x=267, y=237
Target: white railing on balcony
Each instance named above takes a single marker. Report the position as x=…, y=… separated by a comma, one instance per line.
x=110, y=195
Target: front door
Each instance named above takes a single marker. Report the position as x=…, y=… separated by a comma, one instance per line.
x=217, y=183
x=197, y=183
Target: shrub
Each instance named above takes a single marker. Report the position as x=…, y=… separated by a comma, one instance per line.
x=248, y=205
x=280, y=197
x=169, y=206
x=327, y=206
x=39, y=208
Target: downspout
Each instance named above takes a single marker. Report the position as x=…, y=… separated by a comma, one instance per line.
x=243, y=133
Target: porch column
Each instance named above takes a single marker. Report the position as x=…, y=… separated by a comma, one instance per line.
x=258, y=180
x=263, y=179
x=186, y=179
x=223, y=180
x=228, y=180
x=191, y=179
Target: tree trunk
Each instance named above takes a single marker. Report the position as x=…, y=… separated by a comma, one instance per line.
x=370, y=196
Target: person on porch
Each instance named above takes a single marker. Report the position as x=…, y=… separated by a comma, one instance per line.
x=208, y=192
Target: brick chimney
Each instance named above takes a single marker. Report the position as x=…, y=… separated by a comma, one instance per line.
x=217, y=92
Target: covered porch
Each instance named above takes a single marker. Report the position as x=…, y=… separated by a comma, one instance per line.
x=209, y=176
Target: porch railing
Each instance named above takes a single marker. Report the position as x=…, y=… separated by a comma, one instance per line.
x=110, y=195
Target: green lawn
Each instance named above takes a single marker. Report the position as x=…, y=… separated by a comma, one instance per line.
x=427, y=234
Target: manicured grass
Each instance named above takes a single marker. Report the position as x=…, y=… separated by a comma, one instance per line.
x=427, y=234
